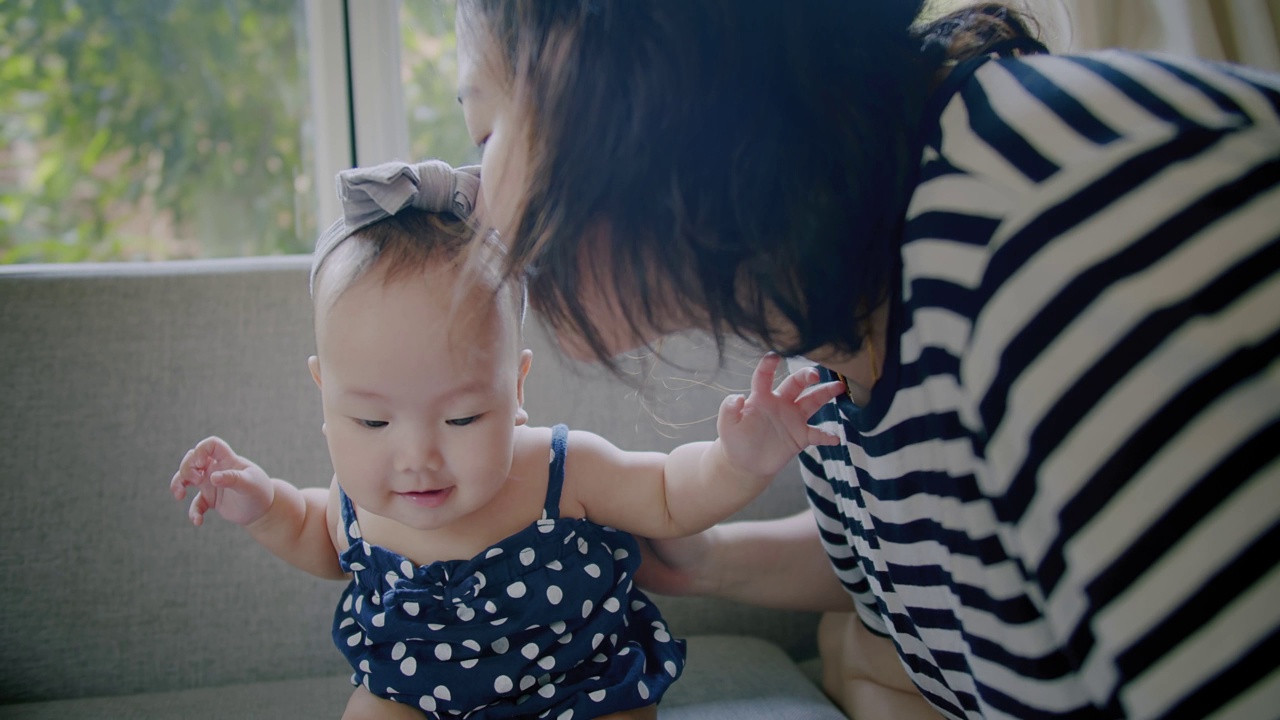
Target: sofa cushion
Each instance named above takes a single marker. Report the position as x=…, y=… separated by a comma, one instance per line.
x=726, y=678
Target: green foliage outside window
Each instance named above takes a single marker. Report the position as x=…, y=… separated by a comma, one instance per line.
x=153, y=129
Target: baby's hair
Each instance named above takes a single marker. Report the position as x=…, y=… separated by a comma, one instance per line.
x=400, y=246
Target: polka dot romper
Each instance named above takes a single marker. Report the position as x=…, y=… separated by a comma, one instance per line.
x=546, y=623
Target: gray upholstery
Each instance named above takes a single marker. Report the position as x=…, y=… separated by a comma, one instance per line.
x=115, y=606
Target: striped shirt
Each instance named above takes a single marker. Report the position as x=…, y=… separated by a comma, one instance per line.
x=1063, y=497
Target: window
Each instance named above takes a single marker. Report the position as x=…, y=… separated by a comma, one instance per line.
x=178, y=129
x=154, y=130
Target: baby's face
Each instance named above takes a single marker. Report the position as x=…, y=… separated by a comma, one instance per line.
x=421, y=396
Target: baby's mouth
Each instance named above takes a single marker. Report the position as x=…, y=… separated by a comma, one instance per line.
x=427, y=498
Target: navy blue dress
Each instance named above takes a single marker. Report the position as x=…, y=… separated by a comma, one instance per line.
x=545, y=623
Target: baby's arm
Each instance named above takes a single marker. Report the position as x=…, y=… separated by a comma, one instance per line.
x=289, y=522
x=700, y=484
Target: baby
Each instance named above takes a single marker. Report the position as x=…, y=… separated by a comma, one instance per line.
x=489, y=561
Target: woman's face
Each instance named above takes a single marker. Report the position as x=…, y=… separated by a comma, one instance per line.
x=495, y=124
x=498, y=126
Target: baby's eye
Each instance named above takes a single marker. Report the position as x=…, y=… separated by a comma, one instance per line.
x=460, y=422
x=372, y=424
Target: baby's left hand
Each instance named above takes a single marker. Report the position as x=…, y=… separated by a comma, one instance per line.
x=762, y=431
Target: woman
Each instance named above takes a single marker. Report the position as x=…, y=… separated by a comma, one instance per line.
x=1049, y=283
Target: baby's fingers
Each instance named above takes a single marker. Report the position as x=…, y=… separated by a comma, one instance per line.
x=819, y=395
x=199, y=506
x=762, y=378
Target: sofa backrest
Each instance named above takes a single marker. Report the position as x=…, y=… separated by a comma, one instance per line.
x=109, y=373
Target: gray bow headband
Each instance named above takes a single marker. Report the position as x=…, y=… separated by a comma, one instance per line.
x=376, y=193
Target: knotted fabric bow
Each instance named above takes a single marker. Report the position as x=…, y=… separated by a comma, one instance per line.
x=375, y=193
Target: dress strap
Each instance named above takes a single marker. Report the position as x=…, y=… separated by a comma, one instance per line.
x=349, y=524
x=555, y=481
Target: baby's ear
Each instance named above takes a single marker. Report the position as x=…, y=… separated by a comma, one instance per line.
x=313, y=364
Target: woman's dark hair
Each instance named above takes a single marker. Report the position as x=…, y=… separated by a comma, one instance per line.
x=744, y=160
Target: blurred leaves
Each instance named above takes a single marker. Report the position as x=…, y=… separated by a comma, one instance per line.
x=152, y=129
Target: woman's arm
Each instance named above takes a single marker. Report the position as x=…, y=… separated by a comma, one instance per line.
x=778, y=563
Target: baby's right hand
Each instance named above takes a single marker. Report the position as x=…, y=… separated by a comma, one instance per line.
x=234, y=486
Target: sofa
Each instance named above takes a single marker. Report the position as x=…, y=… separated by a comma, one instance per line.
x=115, y=606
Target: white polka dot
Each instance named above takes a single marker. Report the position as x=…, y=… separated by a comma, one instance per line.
x=555, y=594
x=624, y=651
x=637, y=604
x=516, y=589
x=443, y=652
x=547, y=691
x=397, y=652
x=547, y=662
x=613, y=639
x=409, y=666
x=557, y=627
x=527, y=682
x=411, y=608
x=468, y=664
x=596, y=640
x=583, y=546
x=670, y=667
x=392, y=691
x=566, y=715
x=568, y=638
x=391, y=578
x=380, y=619
x=612, y=605
x=503, y=684
x=497, y=622
x=596, y=695
x=346, y=604
x=530, y=651
x=354, y=640
x=346, y=623
x=376, y=598
x=546, y=526
x=428, y=703
x=599, y=658
x=644, y=690
x=587, y=607
x=406, y=568
x=501, y=645
x=367, y=641
x=354, y=529
x=471, y=645
x=364, y=666
x=527, y=556
x=620, y=553
x=357, y=567
x=661, y=635
x=368, y=549
x=593, y=570
x=493, y=552
x=555, y=565
x=443, y=693
x=489, y=607
x=359, y=603
x=465, y=614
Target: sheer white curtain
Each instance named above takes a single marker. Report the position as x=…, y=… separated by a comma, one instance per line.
x=1239, y=31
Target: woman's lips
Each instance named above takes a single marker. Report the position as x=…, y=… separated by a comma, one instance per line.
x=428, y=498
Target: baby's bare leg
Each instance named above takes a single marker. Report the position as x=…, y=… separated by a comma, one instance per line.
x=862, y=674
x=648, y=712
x=364, y=705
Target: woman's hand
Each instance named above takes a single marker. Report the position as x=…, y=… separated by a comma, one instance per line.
x=678, y=566
x=761, y=432
x=239, y=490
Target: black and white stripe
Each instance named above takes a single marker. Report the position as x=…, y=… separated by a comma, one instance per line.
x=1063, y=499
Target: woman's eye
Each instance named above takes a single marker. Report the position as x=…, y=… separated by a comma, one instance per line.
x=460, y=422
x=372, y=424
